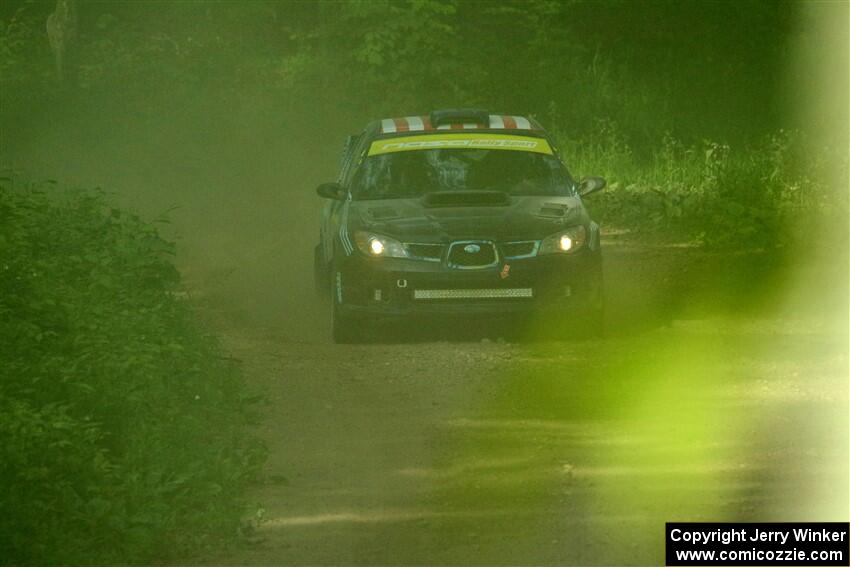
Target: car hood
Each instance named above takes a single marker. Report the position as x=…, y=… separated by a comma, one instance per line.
x=522, y=218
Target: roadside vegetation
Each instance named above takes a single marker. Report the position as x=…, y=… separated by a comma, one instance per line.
x=708, y=194
x=123, y=427
x=696, y=138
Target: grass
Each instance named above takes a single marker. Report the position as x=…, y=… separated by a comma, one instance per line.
x=713, y=194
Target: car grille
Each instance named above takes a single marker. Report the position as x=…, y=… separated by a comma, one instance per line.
x=519, y=249
x=432, y=252
x=472, y=254
x=501, y=293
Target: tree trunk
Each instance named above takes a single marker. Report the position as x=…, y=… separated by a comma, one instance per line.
x=61, y=32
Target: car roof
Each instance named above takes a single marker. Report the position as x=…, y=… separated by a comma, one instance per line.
x=404, y=124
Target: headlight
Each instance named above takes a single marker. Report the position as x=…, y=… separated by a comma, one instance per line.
x=376, y=245
x=565, y=242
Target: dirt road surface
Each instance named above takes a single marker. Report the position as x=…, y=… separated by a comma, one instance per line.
x=459, y=448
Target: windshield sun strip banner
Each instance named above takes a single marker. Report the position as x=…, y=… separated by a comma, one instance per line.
x=461, y=141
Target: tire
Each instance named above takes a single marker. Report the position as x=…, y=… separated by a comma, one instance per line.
x=345, y=329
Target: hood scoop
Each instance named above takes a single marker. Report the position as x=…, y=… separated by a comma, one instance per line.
x=466, y=199
x=383, y=213
x=556, y=210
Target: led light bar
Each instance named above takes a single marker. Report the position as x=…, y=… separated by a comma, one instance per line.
x=504, y=293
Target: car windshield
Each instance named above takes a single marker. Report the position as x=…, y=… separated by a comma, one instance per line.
x=414, y=173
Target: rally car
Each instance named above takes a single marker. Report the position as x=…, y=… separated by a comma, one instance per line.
x=460, y=212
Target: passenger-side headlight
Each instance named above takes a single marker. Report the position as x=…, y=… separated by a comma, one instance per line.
x=378, y=245
x=564, y=242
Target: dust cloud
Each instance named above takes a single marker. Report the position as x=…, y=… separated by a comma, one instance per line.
x=234, y=179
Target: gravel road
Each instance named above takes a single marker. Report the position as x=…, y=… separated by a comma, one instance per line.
x=704, y=402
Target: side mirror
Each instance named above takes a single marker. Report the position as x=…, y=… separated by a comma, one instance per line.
x=330, y=191
x=590, y=185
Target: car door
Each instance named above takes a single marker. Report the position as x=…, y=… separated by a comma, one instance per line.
x=335, y=210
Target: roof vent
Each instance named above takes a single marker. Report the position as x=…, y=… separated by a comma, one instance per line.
x=460, y=116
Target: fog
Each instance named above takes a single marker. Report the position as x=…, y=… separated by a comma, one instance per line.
x=234, y=179
x=232, y=162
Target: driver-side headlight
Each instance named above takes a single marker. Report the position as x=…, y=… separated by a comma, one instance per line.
x=378, y=245
x=564, y=242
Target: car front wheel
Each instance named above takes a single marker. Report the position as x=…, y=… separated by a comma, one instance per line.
x=345, y=329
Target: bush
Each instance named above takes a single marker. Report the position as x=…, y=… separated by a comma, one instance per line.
x=123, y=429
x=757, y=197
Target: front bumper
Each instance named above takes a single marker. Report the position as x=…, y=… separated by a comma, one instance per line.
x=397, y=287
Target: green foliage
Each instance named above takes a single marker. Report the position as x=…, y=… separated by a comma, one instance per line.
x=632, y=89
x=24, y=56
x=123, y=431
x=662, y=66
x=763, y=196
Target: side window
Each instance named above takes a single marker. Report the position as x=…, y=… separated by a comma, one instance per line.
x=352, y=160
x=347, y=150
